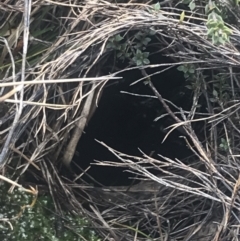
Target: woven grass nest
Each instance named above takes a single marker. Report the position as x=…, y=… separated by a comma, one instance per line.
x=51, y=83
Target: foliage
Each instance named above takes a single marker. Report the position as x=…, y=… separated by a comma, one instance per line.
x=216, y=14
x=132, y=49
x=217, y=30
x=224, y=145
x=39, y=222
x=141, y=58
x=114, y=42
x=220, y=89
x=187, y=69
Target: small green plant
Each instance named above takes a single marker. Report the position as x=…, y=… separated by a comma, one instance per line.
x=121, y=48
x=192, y=81
x=188, y=70
x=115, y=42
x=191, y=4
x=132, y=50
x=123, y=52
x=217, y=30
x=217, y=14
x=157, y=6
x=154, y=8
x=220, y=92
x=224, y=145
x=141, y=58
x=38, y=222
x=142, y=40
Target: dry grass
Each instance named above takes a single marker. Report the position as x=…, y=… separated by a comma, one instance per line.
x=51, y=82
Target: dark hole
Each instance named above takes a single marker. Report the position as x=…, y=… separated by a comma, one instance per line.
x=126, y=123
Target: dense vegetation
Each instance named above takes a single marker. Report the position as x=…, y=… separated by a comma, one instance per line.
x=22, y=221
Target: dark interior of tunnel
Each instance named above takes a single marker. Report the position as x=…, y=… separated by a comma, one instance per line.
x=126, y=122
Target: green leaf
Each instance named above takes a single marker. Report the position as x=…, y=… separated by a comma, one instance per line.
x=157, y=6
x=119, y=54
x=227, y=30
x=145, y=54
x=215, y=93
x=192, y=5
x=215, y=39
x=139, y=62
x=211, y=31
x=189, y=87
x=206, y=9
x=146, y=61
x=182, y=16
x=146, y=41
x=221, y=40
x=180, y=68
x=138, y=46
x=191, y=70
x=138, y=52
x=138, y=36
x=109, y=45
x=212, y=24
x=185, y=69
x=127, y=55
x=118, y=38
x=152, y=32
x=134, y=59
x=213, y=100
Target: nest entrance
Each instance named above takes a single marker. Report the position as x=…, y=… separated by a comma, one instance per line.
x=124, y=120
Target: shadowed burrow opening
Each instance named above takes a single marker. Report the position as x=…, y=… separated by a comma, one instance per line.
x=126, y=123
